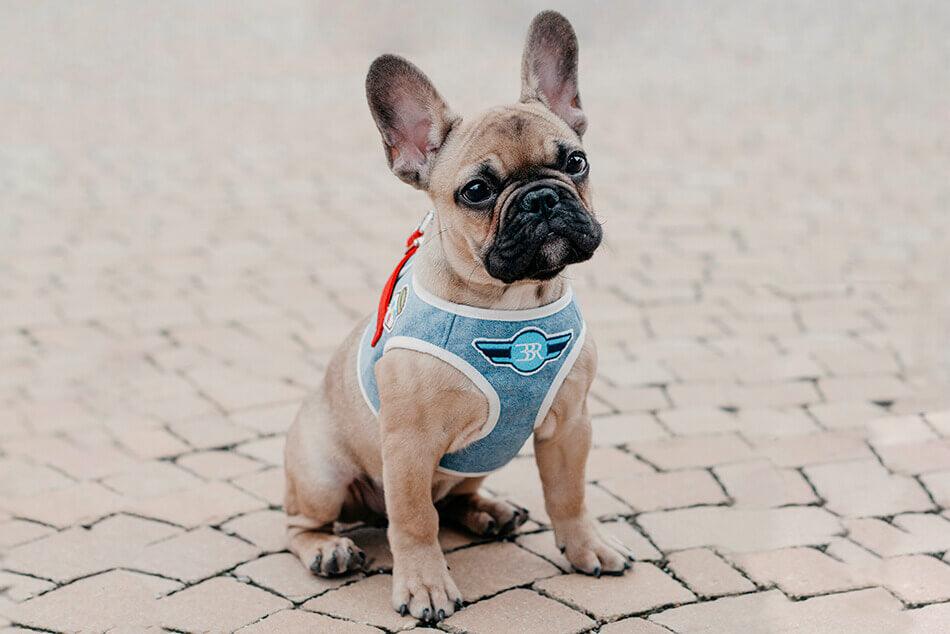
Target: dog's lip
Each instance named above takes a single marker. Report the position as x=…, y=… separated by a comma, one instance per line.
x=553, y=269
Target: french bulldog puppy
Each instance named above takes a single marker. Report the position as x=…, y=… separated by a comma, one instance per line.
x=393, y=427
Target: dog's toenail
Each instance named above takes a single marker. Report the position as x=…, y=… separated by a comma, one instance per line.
x=458, y=604
x=331, y=564
x=362, y=557
x=561, y=548
x=403, y=609
x=425, y=614
x=315, y=566
x=597, y=571
x=440, y=616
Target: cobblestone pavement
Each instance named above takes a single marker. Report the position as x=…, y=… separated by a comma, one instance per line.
x=194, y=208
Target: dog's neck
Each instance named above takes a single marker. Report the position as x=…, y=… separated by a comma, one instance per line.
x=442, y=271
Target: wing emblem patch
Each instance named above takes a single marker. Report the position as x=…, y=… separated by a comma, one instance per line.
x=526, y=352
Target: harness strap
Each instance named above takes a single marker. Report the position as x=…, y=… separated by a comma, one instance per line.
x=412, y=245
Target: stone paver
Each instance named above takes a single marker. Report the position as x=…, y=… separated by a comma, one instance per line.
x=654, y=491
x=20, y=587
x=769, y=422
x=366, y=601
x=151, y=479
x=904, y=535
x=282, y=574
x=191, y=219
x=872, y=610
x=519, y=610
x=625, y=428
x=799, y=572
x=693, y=451
x=745, y=613
x=846, y=414
x=217, y=604
x=607, y=462
x=89, y=604
x=633, y=626
x=195, y=555
x=760, y=484
x=808, y=449
x=219, y=465
x=706, y=574
x=740, y=530
x=495, y=567
x=939, y=421
x=864, y=487
x=916, y=579
x=938, y=484
x=644, y=588
x=916, y=458
x=16, y=532
x=264, y=529
x=208, y=503
x=77, y=552
x=303, y=622
x=209, y=433
x=931, y=618
x=698, y=420
x=85, y=502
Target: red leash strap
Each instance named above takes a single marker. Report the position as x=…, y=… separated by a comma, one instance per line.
x=412, y=245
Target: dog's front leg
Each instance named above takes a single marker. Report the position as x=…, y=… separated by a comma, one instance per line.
x=421, y=582
x=561, y=454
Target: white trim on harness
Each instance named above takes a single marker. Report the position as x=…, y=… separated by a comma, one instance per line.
x=560, y=376
x=474, y=312
x=359, y=369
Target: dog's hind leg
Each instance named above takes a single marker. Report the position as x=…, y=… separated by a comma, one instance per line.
x=480, y=514
x=316, y=491
x=324, y=553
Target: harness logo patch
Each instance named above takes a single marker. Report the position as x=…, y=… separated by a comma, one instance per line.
x=396, y=307
x=527, y=351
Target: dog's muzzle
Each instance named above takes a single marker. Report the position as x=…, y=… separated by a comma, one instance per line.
x=543, y=229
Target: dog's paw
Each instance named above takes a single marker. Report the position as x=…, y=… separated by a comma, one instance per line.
x=590, y=552
x=485, y=516
x=337, y=556
x=425, y=589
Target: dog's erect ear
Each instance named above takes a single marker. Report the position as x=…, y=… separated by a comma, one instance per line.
x=549, y=68
x=411, y=116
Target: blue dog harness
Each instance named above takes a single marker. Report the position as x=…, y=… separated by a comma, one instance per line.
x=517, y=358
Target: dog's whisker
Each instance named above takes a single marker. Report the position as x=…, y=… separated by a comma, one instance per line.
x=430, y=239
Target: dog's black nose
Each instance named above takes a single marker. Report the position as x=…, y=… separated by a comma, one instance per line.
x=540, y=200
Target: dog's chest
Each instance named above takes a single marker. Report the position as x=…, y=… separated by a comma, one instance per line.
x=517, y=358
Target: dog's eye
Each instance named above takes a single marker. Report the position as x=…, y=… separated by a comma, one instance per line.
x=476, y=192
x=576, y=164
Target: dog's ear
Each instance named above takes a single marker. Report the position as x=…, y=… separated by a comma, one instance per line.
x=410, y=114
x=549, y=68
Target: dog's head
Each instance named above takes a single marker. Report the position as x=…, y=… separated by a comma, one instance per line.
x=510, y=185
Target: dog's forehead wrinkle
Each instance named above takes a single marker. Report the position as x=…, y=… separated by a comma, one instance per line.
x=519, y=161
x=517, y=130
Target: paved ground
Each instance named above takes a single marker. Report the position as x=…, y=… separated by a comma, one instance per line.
x=194, y=209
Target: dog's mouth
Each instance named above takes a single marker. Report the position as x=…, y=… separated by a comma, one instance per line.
x=544, y=229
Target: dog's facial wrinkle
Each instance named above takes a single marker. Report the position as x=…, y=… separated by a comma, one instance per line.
x=538, y=245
